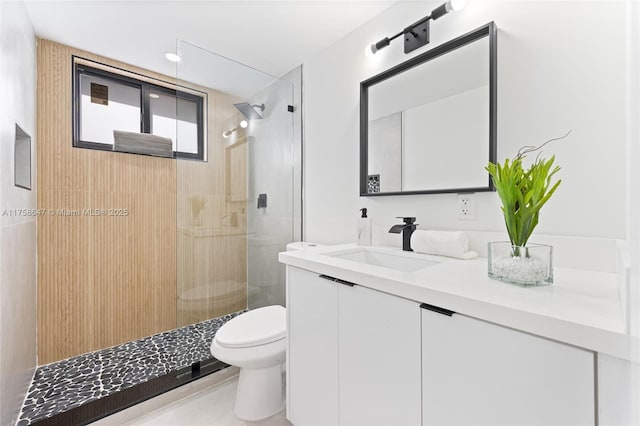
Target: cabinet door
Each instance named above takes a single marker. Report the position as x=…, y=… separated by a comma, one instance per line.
x=379, y=358
x=312, y=355
x=474, y=372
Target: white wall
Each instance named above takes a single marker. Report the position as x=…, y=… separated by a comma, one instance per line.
x=633, y=193
x=17, y=233
x=561, y=65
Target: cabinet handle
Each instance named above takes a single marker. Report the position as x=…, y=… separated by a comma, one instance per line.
x=327, y=277
x=437, y=309
x=337, y=280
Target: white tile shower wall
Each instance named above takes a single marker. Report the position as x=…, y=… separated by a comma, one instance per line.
x=17, y=232
x=549, y=80
x=272, y=164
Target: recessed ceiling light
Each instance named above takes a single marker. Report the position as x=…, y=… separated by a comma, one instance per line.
x=172, y=57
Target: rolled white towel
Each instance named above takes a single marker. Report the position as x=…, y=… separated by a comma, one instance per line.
x=442, y=243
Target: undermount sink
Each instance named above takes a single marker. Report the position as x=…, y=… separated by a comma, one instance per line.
x=401, y=261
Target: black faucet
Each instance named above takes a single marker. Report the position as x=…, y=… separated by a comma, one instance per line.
x=407, y=229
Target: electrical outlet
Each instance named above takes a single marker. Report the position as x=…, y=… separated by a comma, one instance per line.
x=465, y=206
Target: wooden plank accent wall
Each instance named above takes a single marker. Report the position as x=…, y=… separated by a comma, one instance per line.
x=212, y=256
x=105, y=280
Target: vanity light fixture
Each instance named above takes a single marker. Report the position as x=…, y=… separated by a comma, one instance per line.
x=244, y=124
x=416, y=35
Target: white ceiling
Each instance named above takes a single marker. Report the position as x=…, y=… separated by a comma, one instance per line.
x=271, y=36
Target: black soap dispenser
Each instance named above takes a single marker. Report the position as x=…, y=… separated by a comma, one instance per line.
x=364, y=229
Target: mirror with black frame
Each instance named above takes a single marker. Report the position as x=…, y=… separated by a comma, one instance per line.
x=428, y=125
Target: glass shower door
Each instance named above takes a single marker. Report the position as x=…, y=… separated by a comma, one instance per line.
x=226, y=246
x=271, y=195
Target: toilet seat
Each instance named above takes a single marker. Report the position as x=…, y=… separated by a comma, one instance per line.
x=254, y=328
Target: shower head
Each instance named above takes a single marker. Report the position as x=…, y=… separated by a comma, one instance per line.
x=250, y=111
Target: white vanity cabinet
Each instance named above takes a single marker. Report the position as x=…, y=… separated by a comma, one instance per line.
x=380, y=352
x=479, y=373
x=312, y=349
x=353, y=354
x=379, y=358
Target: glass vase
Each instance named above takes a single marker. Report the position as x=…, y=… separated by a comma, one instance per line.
x=524, y=266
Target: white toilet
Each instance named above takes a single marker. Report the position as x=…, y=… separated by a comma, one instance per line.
x=255, y=342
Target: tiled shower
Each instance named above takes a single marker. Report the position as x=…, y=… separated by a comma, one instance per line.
x=126, y=301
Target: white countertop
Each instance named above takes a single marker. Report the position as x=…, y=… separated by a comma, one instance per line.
x=581, y=308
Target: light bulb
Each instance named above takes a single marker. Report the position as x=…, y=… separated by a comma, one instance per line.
x=172, y=57
x=456, y=5
x=370, y=50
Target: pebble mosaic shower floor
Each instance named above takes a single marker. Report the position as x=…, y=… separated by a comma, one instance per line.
x=70, y=383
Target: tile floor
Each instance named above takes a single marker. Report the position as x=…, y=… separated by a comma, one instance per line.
x=70, y=383
x=207, y=401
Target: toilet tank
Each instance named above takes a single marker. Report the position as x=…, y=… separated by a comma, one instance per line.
x=266, y=276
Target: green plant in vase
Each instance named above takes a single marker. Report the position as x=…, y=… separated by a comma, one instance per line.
x=523, y=192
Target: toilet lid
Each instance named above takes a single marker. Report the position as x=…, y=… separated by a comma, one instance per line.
x=256, y=327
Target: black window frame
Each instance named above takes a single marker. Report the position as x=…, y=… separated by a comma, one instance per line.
x=146, y=88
